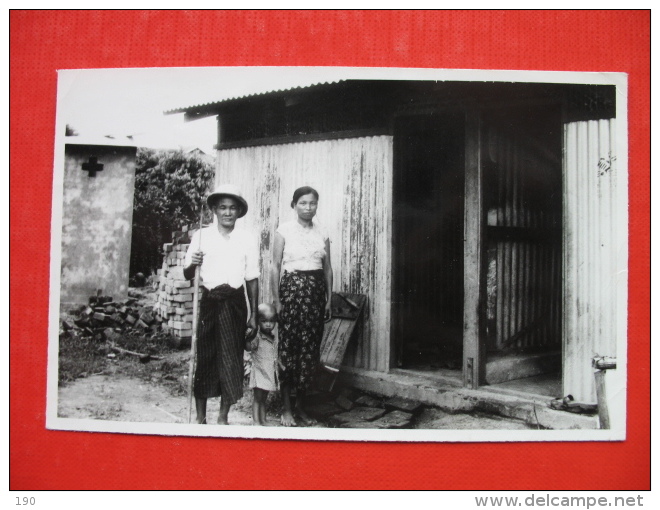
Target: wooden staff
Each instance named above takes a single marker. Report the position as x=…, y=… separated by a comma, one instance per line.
x=193, y=341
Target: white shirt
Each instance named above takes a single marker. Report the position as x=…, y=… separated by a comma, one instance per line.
x=232, y=260
x=304, y=248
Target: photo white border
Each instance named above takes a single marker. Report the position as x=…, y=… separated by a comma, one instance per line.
x=319, y=75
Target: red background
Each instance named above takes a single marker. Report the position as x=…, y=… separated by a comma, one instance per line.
x=43, y=41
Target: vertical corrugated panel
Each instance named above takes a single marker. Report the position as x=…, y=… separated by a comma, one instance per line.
x=595, y=251
x=254, y=172
x=354, y=180
x=528, y=297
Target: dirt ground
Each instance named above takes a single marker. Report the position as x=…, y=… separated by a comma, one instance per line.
x=126, y=390
x=119, y=397
x=123, y=398
x=103, y=384
x=132, y=392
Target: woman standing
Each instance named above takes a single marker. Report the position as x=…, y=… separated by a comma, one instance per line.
x=301, y=280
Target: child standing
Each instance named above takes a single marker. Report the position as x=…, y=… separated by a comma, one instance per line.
x=263, y=377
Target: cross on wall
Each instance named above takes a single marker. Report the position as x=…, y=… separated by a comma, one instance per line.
x=92, y=166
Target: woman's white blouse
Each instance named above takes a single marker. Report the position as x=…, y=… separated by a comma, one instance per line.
x=304, y=248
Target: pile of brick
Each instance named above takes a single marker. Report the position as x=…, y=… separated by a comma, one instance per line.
x=174, y=305
x=103, y=317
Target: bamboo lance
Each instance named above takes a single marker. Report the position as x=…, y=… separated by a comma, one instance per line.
x=193, y=341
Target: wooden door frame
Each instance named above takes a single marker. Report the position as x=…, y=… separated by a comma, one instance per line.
x=475, y=252
x=474, y=274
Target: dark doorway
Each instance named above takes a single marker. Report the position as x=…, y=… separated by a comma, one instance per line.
x=521, y=162
x=429, y=182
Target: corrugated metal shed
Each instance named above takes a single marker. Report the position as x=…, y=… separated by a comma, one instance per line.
x=340, y=138
x=595, y=252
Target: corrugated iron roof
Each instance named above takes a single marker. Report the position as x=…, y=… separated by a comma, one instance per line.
x=222, y=102
x=107, y=140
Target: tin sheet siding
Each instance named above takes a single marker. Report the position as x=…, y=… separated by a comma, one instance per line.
x=354, y=181
x=595, y=252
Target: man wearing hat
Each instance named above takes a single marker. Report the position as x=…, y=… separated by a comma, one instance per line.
x=229, y=260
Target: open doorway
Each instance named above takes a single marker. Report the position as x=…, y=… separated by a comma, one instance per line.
x=428, y=199
x=521, y=164
x=520, y=304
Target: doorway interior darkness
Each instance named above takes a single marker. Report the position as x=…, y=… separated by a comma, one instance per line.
x=521, y=208
x=429, y=182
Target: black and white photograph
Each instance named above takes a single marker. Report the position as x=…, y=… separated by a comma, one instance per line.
x=340, y=254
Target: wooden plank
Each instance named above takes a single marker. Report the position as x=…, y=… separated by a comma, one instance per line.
x=339, y=331
x=601, y=398
x=474, y=348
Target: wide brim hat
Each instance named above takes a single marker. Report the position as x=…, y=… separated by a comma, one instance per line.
x=231, y=191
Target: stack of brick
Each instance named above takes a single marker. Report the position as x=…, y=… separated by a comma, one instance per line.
x=174, y=305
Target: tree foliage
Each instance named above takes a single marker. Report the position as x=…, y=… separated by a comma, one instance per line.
x=169, y=189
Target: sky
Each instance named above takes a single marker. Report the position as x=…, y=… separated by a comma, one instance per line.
x=123, y=102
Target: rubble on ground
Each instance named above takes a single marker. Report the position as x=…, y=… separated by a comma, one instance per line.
x=351, y=408
x=105, y=319
x=114, y=329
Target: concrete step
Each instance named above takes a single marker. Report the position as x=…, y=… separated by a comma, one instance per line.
x=507, y=367
x=532, y=409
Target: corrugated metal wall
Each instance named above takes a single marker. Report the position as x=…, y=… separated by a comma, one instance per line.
x=354, y=180
x=524, y=242
x=595, y=252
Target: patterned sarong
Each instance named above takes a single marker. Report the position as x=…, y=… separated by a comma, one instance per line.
x=303, y=295
x=220, y=344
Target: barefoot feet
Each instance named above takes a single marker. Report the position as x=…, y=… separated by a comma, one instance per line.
x=287, y=419
x=304, y=417
x=224, y=414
